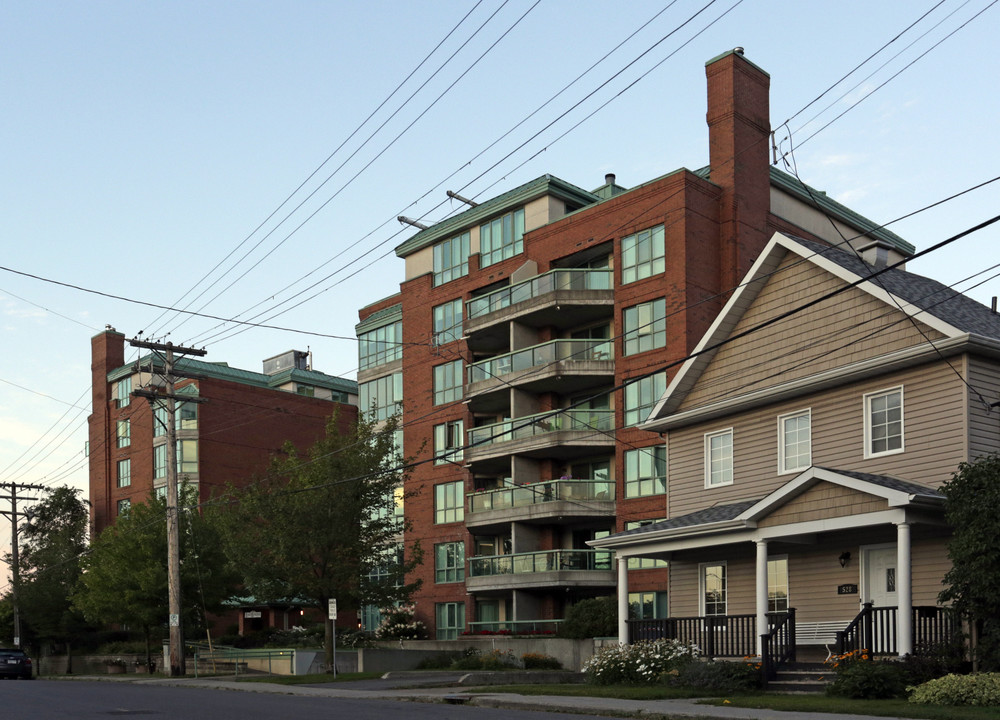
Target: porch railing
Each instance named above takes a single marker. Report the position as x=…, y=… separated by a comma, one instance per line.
x=874, y=629
x=778, y=645
x=715, y=635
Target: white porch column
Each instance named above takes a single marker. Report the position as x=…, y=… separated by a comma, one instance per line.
x=623, y=600
x=761, y=593
x=904, y=590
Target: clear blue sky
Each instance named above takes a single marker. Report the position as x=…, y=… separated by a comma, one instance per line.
x=142, y=142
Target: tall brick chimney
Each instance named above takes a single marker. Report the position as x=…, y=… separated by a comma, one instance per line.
x=107, y=352
x=739, y=131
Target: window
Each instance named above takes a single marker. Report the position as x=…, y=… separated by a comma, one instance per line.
x=306, y=390
x=381, y=345
x=713, y=589
x=794, y=444
x=450, y=620
x=645, y=326
x=451, y=259
x=124, y=433
x=448, y=382
x=161, y=493
x=448, y=322
x=186, y=416
x=381, y=397
x=449, y=503
x=392, y=507
x=884, y=422
x=646, y=471
x=501, y=238
x=777, y=584
x=449, y=562
x=124, y=473
x=641, y=395
x=642, y=255
x=448, y=442
x=647, y=605
x=719, y=458
x=159, y=461
x=187, y=456
x=160, y=421
x=124, y=506
x=123, y=394
x=643, y=563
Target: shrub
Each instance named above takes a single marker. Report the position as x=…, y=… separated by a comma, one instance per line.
x=398, y=623
x=934, y=661
x=979, y=689
x=356, y=639
x=594, y=617
x=720, y=676
x=643, y=663
x=861, y=678
x=473, y=659
x=540, y=661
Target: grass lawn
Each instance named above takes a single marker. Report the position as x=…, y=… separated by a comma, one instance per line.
x=788, y=703
x=308, y=679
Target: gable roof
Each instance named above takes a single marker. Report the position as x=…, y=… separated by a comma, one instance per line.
x=945, y=310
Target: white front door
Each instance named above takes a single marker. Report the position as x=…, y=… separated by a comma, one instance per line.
x=881, y=577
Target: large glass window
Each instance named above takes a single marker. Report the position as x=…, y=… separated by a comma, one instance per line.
x=642, y=255
x=186, y=416
x=451, y=259
x=449, y=502
x=448, y=322
x=187, y=456
x=719, y=458
x=124, y=473
x=123, y=392
x=450, y=620
x=794, y=443
x=884, y=422
x=645, y=326
x=647, y=605
x=777, y=584
x=449, y=562
x=159, y=420
x=381, y=396
x=641, y=395
x=124, y=433
x=380, y=345
x=448, y=442
x=448, y=382
x=644, y=563
x=714, y=594
x=646, y=471
x=501, y=238
x=124, y=506
x=159, y=461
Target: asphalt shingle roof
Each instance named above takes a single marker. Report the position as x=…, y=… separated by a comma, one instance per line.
x=718, y=513
x=889, y=482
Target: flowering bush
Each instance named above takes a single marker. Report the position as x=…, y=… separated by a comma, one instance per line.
x=720, y=676
x=643, y=663
x=980, y=689
x=398, y=623
x=859, y=677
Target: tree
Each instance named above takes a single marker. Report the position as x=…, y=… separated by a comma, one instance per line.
x=972, y=498
x=124, y=576
x=324, y=526
x=51, y=542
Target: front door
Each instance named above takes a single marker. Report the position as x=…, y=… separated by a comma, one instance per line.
x=881, y=585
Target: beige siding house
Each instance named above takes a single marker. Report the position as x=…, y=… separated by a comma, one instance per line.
x=806, y=439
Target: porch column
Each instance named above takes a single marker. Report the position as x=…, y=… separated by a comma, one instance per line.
x=623, y=600
x=761, y=593
x=904, y=590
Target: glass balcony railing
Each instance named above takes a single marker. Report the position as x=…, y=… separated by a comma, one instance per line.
x=513, y=627
x=536, y=286
x=541, y=424
x=541, y=492
x=539, y=356
x=537, y=562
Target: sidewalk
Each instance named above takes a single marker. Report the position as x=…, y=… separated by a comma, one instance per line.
x=460, y=695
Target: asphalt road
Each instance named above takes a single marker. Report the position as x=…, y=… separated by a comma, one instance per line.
x=61, y=700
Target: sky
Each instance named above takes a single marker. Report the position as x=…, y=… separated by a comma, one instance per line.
x=247, y=161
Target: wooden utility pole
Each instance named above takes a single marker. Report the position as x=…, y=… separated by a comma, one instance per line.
x=15, y=570
x=155, y=395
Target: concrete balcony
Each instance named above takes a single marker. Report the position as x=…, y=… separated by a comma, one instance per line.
x=564, y=500
x=559, y=298
x=543, y=569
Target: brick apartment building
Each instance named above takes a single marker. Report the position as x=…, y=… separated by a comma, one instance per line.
x=550, y=296
x=246, y=418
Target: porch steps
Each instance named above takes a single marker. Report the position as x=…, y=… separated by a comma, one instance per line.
x=802, y=678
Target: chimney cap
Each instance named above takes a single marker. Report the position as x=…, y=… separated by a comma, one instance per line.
x=738, y=50
x=609, y=179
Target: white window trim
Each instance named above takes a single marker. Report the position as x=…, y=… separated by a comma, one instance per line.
x=782, y=468
x=708, y=457
x=866, y=409
x=788, y=582
x=701, y=586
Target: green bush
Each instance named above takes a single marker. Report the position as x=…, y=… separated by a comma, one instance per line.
x=540, y=661
x=439, y=661
x=594, y=617
x=494, y=660
x=982, y=689
x=860, y=678
x=719, y=676
x=643, y=663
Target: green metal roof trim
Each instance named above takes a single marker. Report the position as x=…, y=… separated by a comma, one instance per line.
x=379, y=318
x=544, y=185
x=221, y=371
x=731, y=52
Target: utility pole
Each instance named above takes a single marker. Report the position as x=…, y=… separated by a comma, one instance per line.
x=15, y=570
x=154, y=395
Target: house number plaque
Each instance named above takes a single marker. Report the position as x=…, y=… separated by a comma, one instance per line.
x=847, y=589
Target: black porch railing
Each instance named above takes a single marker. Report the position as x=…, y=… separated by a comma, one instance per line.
x=778, y=645
x=715, y=635
x=874, y=629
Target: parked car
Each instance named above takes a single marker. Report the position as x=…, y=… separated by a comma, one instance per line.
x=15, y=663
